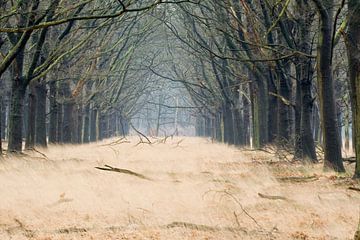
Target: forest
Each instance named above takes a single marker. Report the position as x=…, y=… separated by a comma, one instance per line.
x=257, y=87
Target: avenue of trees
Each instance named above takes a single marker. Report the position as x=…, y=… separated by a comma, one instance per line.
x=244, y=72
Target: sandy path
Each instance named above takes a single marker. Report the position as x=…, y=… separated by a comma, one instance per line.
x=198, y=190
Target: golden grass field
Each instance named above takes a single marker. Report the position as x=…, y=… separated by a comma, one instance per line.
x=193, y=189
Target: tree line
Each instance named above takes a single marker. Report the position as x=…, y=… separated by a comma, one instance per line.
x=255, y=72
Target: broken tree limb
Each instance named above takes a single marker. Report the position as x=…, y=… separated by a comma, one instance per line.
x=272, y=197
x=121, y=170
x=200, y=227
x=350, y=160
x=140, y=133
x=354, y=189
x=298, y=179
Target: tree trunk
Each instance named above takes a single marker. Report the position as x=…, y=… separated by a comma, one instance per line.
x=60, y=110
x=259, y=109
x=31, y=118
x=16, y=115
x=68, y=122
x=274, y=107
x=298, y=105
x=246, y=114
x=3, y=118
x=98, y=125
x=86, y=129
x=218, y=132
x=1, y=124
x=332, y=143
x=40, y=132
x=228, y=123
x=353, y=46
x=68, y=127
x=93, y=124
x=306, y=135
x=283, y=119
x=239, y=130
x=54, y=108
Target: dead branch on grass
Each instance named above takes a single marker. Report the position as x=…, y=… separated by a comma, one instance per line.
x=37, y=151
x=354, y=189
x=350, y=160
x=117, y=142
x=121, y=170
x=140, y=134
x=205, y=228
x=272, y=197
x=298, y=179
x=193, y=226
x=177, y=144
x=230, y=195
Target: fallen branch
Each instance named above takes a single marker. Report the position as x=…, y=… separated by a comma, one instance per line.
x=354, y=189
x=192, y=226
x=37, y=151
x=350, y=160
x=272, y=197
x=298, y=179
x=178, y=143
x=140, y=133
x=242, y=208
x=120, y=170
x=117, y=142
x=72, y=230
x=200, y=227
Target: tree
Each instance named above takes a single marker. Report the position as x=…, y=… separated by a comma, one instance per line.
x=330, y=127
x=353, y=49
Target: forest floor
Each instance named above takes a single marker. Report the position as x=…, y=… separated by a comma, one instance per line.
x=186, y=188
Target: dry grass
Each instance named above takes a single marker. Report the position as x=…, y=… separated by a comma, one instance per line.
x=192, y=190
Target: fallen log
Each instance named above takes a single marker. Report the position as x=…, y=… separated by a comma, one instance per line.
x=272, y=197
x=121, y=170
